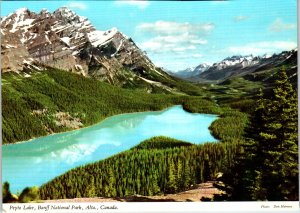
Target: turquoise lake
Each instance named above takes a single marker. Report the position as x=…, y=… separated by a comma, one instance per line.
x=37, y=161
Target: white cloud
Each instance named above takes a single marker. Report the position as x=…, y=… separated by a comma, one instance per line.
x=173, y=43
x=278, y=25
x=197, y=55
x=152, y=45
x=171, y=28
x=178, y=41
x=259, y=48
x=199, y=41
x=174, y=36
x=77, y=5
x=240, y=18
x=136, y=3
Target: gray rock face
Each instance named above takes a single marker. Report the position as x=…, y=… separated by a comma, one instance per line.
x=67, y=41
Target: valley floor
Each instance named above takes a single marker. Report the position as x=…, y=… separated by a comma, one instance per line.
x=203, y=190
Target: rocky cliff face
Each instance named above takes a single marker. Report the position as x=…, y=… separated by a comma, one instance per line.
x=67, y=41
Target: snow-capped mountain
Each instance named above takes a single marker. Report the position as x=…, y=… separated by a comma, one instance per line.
x=238, y=66
x=191, y=71
x=201, y=68
x=67, y=41
x=241, y=61
x=242, y=65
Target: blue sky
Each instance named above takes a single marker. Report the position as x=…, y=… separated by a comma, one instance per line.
x=177, y=34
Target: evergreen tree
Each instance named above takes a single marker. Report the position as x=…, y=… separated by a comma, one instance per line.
x=267, y=168
x=207, y=168
x=112, y=183
x=278, y=142
x=180, y=175
x=172, y=185
x=90, y=189
x=29, y=194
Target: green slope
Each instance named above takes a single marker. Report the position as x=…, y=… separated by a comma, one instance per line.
x=38, y=103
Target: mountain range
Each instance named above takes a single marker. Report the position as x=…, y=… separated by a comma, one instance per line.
x=64, y=40
x=235, y=66
x=67, y=41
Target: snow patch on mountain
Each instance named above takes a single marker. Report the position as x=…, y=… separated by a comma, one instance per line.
x=66, y=40
x=98, y=38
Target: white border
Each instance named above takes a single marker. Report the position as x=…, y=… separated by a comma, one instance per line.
x=289, y=206
x=158, y=207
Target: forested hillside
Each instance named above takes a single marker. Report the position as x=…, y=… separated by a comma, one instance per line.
x=55, y=101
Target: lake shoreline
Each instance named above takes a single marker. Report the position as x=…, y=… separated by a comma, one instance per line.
x=55, y=133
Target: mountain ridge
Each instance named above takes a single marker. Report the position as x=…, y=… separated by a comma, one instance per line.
x=238, y=65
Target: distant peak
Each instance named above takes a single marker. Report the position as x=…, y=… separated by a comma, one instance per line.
x=204, y=65
x=65, y=12
x=233, y=57
x=44, y=10
x=17, y=15
x=17, y=12
x=22, y=10
x=238, y=57
x=65, y=9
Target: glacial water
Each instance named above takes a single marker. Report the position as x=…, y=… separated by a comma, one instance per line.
x=37, y=161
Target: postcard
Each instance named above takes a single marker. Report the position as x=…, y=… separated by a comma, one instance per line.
x=149, y=106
